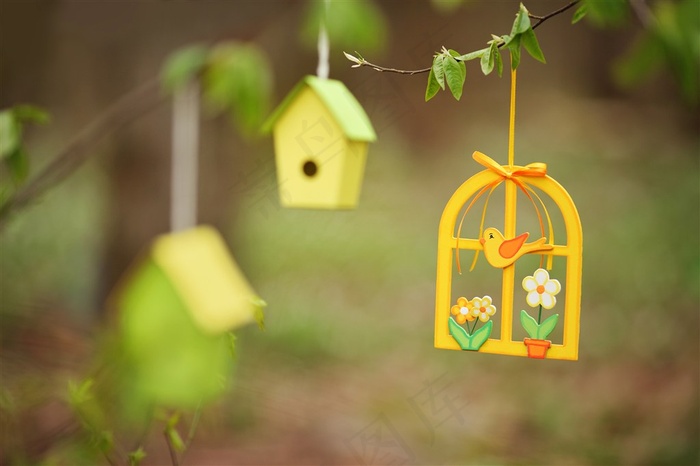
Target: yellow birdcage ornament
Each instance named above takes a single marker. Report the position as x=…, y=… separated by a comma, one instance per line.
x=467, y=324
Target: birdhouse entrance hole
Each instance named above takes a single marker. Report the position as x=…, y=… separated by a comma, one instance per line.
x=310, y=168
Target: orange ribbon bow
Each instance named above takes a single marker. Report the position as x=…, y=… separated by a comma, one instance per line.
x=533, y=169
x=516, y=175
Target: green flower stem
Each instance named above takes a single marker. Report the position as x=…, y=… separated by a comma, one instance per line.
x=539, y=316
x=476, y=321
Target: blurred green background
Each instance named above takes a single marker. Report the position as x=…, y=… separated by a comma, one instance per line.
x=345, y=372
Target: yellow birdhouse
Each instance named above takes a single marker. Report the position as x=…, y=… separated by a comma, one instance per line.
x=320, y=135
x=175, y=309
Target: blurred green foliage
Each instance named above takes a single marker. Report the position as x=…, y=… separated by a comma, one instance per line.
x=608, y=13
x=446, y=6
x=12, y=151
x=350, y=25
x=236, y=79
x=672, y=40
x=168, y=360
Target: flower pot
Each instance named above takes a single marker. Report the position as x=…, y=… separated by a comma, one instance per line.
x=537, y=349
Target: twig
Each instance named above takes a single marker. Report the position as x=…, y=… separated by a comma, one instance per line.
x=132, y=105
x=391, y=70
x=643, y=13
x=540, y=20
x=193, y=426
x=171, y=448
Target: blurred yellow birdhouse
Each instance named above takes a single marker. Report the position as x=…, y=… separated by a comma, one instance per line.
x=175, y=309
x=320, y=136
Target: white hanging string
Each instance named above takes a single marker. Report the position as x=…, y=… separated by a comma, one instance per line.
x=323, y=68
x=185, y=143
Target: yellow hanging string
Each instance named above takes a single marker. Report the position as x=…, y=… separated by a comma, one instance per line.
x=511, y=129
x=533, y=169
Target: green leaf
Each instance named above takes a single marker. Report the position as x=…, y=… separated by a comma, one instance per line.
x=529, y=324
x=232, y=344
x=172, y=434
x=546, y=327
x=259, y=316
x=10, y=133
x=136, y=456
x=473, y=55
x=103, y=440
x=79, y=394
x=522, y=21
x=7, y=402
x=432, y=87
x=446, y=6
x=357, y=62
x=175, y=439
x=580, y=13
x=357, y=24
x=163, y=373
x=183, y=65
x=173, y=420
x=499, y=62
x=488, y=60
x=462, y=65
x=454, y=75
x=673, y=42
x=678, y=29
x=607, y=13
x=514, y=48
x=480, y=336
x=239, y=81
x=529, y=40
x=643, y=58
x=438, y=70
x=31, y=114
x=459, y=334
x=18, y=163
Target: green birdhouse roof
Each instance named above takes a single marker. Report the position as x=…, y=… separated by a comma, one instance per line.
x=339, y=101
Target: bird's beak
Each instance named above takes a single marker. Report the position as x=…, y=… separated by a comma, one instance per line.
x=482, y=241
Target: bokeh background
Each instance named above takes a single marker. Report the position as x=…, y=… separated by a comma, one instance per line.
x=346, y=372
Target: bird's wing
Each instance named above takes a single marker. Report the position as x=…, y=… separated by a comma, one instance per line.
x=510, y=247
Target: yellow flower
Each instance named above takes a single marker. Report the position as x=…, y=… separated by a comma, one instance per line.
x=541, y=289
x=462, y=311
x=483, y=308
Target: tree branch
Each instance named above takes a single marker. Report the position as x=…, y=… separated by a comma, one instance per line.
x=171, y=448
x=123, y=111
x=359, y=62
x=644, y=14
x=542, y=19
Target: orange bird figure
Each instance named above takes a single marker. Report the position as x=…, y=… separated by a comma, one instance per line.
x=501, y=252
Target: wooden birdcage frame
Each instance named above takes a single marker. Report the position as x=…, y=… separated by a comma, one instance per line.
x=450, y=244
